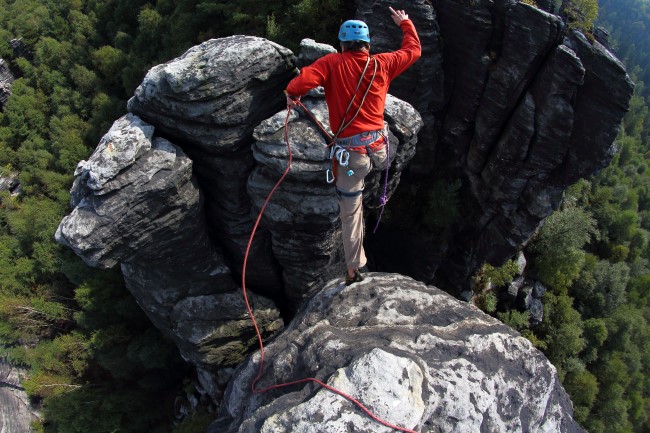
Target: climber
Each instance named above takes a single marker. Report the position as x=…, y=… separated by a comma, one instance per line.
x=355, y=93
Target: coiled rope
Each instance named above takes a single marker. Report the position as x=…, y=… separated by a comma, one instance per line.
x=252, y=316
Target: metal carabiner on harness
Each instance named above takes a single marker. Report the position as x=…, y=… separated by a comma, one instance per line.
x=329, y=175
x=341, y=154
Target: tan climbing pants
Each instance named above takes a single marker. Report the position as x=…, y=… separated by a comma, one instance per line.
x=349, y=185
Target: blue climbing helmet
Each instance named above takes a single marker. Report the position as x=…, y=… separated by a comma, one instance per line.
x=354, y=30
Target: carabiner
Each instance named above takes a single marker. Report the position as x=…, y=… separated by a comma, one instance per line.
x=343, y=156
x=329, y=172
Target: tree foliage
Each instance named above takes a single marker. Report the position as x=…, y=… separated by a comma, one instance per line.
x=557, y=249
x=86, y=341
x=593, y=255
x=580, y=14
x=628, y=22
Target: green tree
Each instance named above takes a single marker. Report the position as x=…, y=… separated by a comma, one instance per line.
x=581, y=14
x=595, y=333
x=561, y=330
x=601, y=288
x=109, y=61
x=583, y=387
x=558, y=255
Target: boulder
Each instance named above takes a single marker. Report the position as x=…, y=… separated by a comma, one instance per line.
x=310, y=51
x=411, y=353
x=526, y=296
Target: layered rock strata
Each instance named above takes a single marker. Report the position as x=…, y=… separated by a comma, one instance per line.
x=523, y=107
x=412, y=354
x=137, y=203
x=209, y=100
x=303, y=214
x=516, y=109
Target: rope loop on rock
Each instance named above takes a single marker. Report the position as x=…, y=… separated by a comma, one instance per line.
x=252, y=316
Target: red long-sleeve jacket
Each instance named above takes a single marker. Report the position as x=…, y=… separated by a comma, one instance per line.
x=339, y=74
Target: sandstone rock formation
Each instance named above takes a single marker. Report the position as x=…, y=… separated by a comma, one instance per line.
x=137, y=203
x=303, y=216
x=209, y=100
x=6, y=78
x=522, y=107
x=412, y=354
x=512, y=106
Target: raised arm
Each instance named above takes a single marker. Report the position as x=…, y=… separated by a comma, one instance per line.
x=411, y=49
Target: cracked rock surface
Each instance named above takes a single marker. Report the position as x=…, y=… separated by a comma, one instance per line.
x=412, y=354
x=137, y=203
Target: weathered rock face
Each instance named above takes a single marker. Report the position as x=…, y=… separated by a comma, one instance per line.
x=422, y=85
x=10, y=183
x=137, y=203
x=525, y=109
x=16, y=413
x=310, y=51
x=514, y=108
x=209, y=100
x=303, y=215
x=412, y=354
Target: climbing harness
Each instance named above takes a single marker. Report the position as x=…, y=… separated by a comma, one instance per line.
x=339, y=155
x=252, y=316
x=364, y=143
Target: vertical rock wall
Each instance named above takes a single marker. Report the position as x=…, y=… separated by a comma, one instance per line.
x=526, y=108
x=422, y=85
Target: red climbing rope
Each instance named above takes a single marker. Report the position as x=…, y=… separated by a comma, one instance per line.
x=252, y=316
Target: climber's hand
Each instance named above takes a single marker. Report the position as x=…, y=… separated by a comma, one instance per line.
x=292, y=101
x=398, y=16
